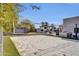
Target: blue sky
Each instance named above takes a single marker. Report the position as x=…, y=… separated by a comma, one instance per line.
x=52, y=13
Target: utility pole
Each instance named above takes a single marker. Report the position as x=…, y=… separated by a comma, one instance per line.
x=76, y=31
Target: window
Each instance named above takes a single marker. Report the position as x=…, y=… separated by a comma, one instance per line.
x=45, y=27
x=41, y=29
x=76, y=30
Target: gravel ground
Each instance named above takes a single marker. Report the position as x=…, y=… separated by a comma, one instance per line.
x=40, y=45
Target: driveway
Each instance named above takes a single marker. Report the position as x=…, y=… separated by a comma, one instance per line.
x=41, y=45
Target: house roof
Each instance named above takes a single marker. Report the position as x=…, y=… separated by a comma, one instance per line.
x=70, y=18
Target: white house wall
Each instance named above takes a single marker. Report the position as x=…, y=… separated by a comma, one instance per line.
x=69, y=24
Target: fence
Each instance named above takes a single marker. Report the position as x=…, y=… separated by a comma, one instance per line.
x=1, y=42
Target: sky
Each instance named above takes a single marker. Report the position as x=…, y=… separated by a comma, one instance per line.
x=53, y=13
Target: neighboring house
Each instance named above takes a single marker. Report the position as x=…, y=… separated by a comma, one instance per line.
x=45, y=27
x=23, y=27
x=60, y=28
x=21, y=30
x=69, y=25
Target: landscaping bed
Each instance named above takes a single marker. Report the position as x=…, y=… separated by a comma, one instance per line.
x=9, y=48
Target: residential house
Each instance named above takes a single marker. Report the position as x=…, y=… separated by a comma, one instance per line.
x=23, y=27
x=45, y=28
x=71, y=26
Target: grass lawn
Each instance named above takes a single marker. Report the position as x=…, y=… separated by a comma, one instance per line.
x=9, y=48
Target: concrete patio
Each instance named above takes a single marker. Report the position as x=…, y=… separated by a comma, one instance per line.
x=41, y=45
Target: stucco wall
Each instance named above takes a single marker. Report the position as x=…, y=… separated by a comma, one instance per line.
x=69, y=24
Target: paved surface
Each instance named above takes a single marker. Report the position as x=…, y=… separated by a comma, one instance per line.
x=40, y=45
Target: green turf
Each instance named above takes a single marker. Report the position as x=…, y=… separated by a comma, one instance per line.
x=9, y=48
